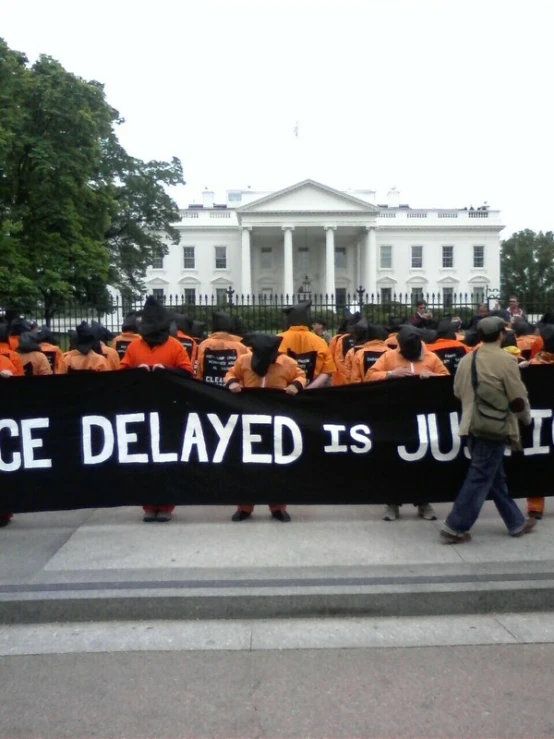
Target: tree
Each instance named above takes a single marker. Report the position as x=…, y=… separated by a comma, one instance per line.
x=527, y=267
x=77, y=213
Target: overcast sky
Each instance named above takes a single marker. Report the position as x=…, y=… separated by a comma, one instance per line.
x=450, y=101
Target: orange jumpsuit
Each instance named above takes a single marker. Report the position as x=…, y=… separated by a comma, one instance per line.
x=13, y=356
x=54, y=355
x=92, y=362
x=169, y=354
x=283, y=372
x=450, y=352
x=311, y=352
x=35, y=363
x=392, y=359
x=537, y=347
x=365, y=357
x=216, y=355
x=525, y=344
x=190, y=344
x=112, y=357
x=122, y=341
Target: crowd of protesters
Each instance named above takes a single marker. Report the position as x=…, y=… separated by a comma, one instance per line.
x=304, y=357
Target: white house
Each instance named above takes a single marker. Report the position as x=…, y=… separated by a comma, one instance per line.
x=274, y=243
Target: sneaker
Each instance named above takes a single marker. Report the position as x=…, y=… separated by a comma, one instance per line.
x=240, y=516
x=150, y=516
x=391, y=513
x=528, y=526
x=282, y=516
x=448, y=538
x=427, y=512
x=163, y=517
x=535, y=514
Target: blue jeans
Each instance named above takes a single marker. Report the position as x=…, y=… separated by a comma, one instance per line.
x=485, y=478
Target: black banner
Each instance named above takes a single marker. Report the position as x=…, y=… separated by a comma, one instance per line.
x=135, y=437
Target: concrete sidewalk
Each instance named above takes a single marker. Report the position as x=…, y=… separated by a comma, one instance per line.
x=106, y=564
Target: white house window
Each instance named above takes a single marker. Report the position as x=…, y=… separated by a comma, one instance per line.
x=158, y=293
x=448, y=296
x=340, y=294
x=189, y=261
x=303, y=259
x=190, y=295
x=234, y=197
x=267, y=257
x=221, y=296
x=386, y=294
x=478, y=257
x=417, y=257
x=221, y=257
x=158, y=260
x=340, y=259
x=448, y=257
x=386, y=257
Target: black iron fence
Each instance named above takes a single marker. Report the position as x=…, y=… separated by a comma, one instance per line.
x=265, y=312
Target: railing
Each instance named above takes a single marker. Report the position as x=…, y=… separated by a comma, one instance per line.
x=189, y=214
x=217, y=214
x=478, y=213
x=448, y=215
x=387, y=214
x=412, y=214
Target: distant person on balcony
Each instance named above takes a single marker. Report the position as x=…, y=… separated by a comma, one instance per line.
x=482, y=312
x=319, y=327
x=422, y=318
x=310, y=351
x=514, y=310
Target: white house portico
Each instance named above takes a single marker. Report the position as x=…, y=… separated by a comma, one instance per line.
x=262, y=244
x=308, y=229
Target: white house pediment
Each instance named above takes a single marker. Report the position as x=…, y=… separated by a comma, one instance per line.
x=387, y=281
x=308, y=197
x=479, y=280
x=220, y=282
x=157, y=282
x=189, y=280
x=417, y=280
x=448, y=281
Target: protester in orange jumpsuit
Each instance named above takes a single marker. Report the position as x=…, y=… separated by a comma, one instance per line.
x=7, y=351
x=7, y=370
x=339, y=347
x=129, y=332
x=51, y=351
x=447, y=347
x=365, y=357
x=81, y=356
x=525, y=338
x=218, y=353
x=156, y=349
x=266, y=368
x=31, y=355
x=181, y=329
x=411, y=359
x=311, y=352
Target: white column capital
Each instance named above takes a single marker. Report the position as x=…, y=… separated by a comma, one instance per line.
x=245, y=228
x=287, y=228
x=373, y=227
x=329, y=228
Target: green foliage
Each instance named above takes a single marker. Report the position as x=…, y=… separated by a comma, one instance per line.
x=77, y=213
x=527, y=267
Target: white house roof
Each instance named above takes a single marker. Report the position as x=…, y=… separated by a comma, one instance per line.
x=311, y=197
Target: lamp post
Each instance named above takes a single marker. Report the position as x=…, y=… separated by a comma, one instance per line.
x=230, y=292
x=360, y=291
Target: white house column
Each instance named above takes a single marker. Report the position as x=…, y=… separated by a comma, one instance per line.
x=288, y=284
x=330, y=261
x=246, y=262
x=370, y=263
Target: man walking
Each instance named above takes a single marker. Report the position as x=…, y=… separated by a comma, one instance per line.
x=488, y=380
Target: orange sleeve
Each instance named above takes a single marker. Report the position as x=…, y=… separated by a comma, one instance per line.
x=537, y=347
x=437, y=366
x=15, y=359
x=356, y=367
x=180, y=358
x=200, y=361
x=235, y=374
x=42, y=366
x=296, y=374
x=129, y=358
x=113, y=358
x=379, y=370
x=324, y=363
x=60, y=367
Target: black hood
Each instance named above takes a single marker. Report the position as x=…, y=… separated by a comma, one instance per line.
x=46, y=335
x=471, y=338
x=101, y=332
x=4, y=333
x=409, y=343
x=360, y=332
x=377, y=333
x=298, y=314
x=547, y=334
x=221, y=322
x=19, y=326
x=130, y=324
x=180, y=322
x=198, y=329
x=446, y=330
x=522, y=328
x=428, y=335
x=154, y=325
x=265, y=350
x=83, y=338
x=28, y=343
